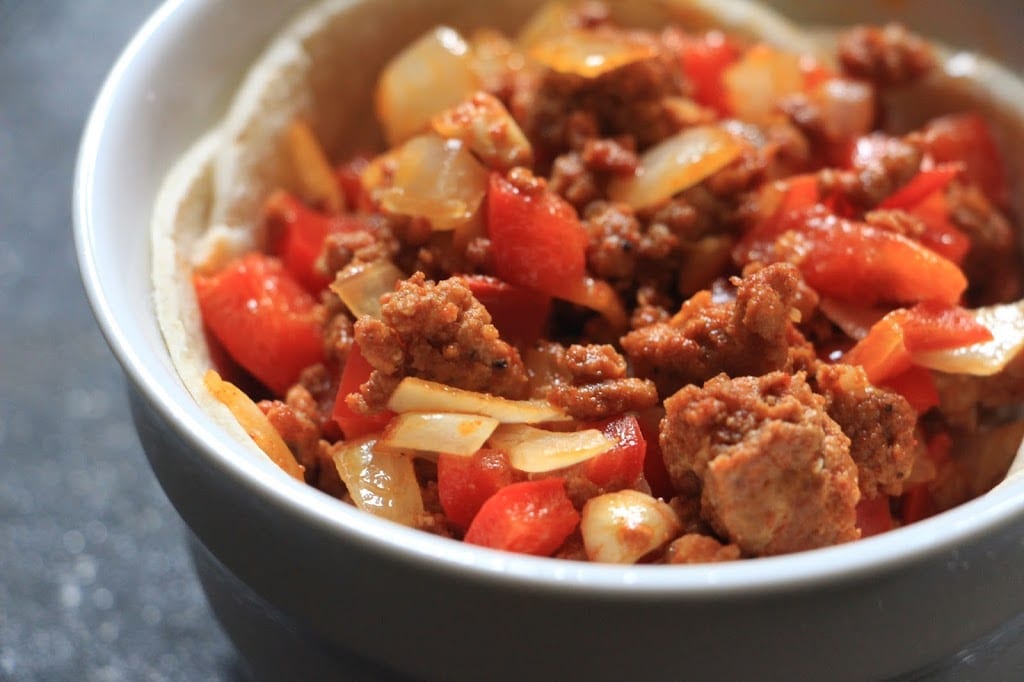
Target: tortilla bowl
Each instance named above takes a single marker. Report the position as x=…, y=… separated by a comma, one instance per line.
x=306, y=585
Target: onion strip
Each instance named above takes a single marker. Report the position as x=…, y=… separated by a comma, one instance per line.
x=1006, y=322
x=380, y=482
x=457, y=434
x=420, y=395
x=535, y=450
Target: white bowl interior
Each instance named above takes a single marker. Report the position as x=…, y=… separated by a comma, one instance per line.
x=164, y=92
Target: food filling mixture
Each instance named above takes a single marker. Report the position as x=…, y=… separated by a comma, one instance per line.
x=630, y=296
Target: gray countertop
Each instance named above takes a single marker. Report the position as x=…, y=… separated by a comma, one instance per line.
x=95, y=583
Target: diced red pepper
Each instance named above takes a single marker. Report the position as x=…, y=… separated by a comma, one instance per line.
x=887, y=349
x=917, y=385
x=521, y=315
x=941, y=236
x=853, y=261
x=917, y=504
x=926, y=182
x=536, y=237
x=621, y=466
x=968, y=139
x=356, y=373
x=874, y=516
x=800, y=195
x=265, y=320
x=704, y=59
x=655, y=470
x=298, y=237
x=465, y=483
x=532, y=517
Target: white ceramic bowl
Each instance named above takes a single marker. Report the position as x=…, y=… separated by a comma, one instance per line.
x=307, y=586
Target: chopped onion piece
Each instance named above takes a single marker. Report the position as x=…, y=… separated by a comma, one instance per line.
x=600, y=297
x=382, y=483
x=360, y=286
x=847, y=108
x=855, y=320
x=590, y=53
x=432, y=74
x=624, y=526
x=1006, y=322
x=255, y=423
x=420, y=395
x=435, y=179
x=550, y=21
x=316, y=177
x=536, y=451
x=484, y=125
x=458, y=434
x=675, y=164
x=755, y=84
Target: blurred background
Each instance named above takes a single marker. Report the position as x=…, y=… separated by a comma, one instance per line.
x=95, y=583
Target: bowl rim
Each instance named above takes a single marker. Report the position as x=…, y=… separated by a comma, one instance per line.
x=845, y=563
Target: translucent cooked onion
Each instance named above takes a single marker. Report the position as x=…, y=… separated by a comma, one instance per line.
x=590, y=53
x=599, y=296
x=458, y=434
x=484, y=125
x=847, y=108
x=432, y=74
x=435, y=179
x=360, y=286
x=550, y=21
x=382, y=483
x=255, y=423
x=855, y=320
x=420, y=395
x=623, y=527
x=755, y=84
x=675, y=164
x=1006, y=322
x=318, y=184
x=535, y=450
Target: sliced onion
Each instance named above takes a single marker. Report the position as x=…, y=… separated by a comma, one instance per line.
x=847, y=108
x=550, y=21
x=360, y=286
x=599, y=296
x=420, y=395
x=255, y=423
x=1006, y=322
x=484, y=125
x=624, y=526
x=432, y=74
x=316, y=177
x=536, y=451
x=590, y=53
x=458, y=434
x=675, y=164
x=855, y=320
x=435, y=179
x=382, y=483
x=755, y=84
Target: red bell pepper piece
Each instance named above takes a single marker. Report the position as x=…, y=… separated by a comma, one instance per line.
x=621, y=466
x=800, y=194
x=941, y=236
x=265, y=320
x=853, y=261
x=655, y=470
x=532, y=517
x=887, y=349
x=465, y=483
x=917, y=504
x=704, y=59
x=519, y=314
x=537, y=239
x=874, y=516
x=926, y=182
x=968, y=139
x=917, y=385
x=356, y=373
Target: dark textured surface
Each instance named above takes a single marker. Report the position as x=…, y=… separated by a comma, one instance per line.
x=95, y=583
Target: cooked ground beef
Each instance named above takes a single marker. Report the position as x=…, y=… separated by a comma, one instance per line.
x=885, y=55
x=299, y=431
x=438, y=332
x=992, y=264
x=879, y=423
x=775, y=470
x=750, y=336
x=596, y=385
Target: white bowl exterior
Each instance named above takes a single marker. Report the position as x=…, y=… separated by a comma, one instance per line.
x=431, y=606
